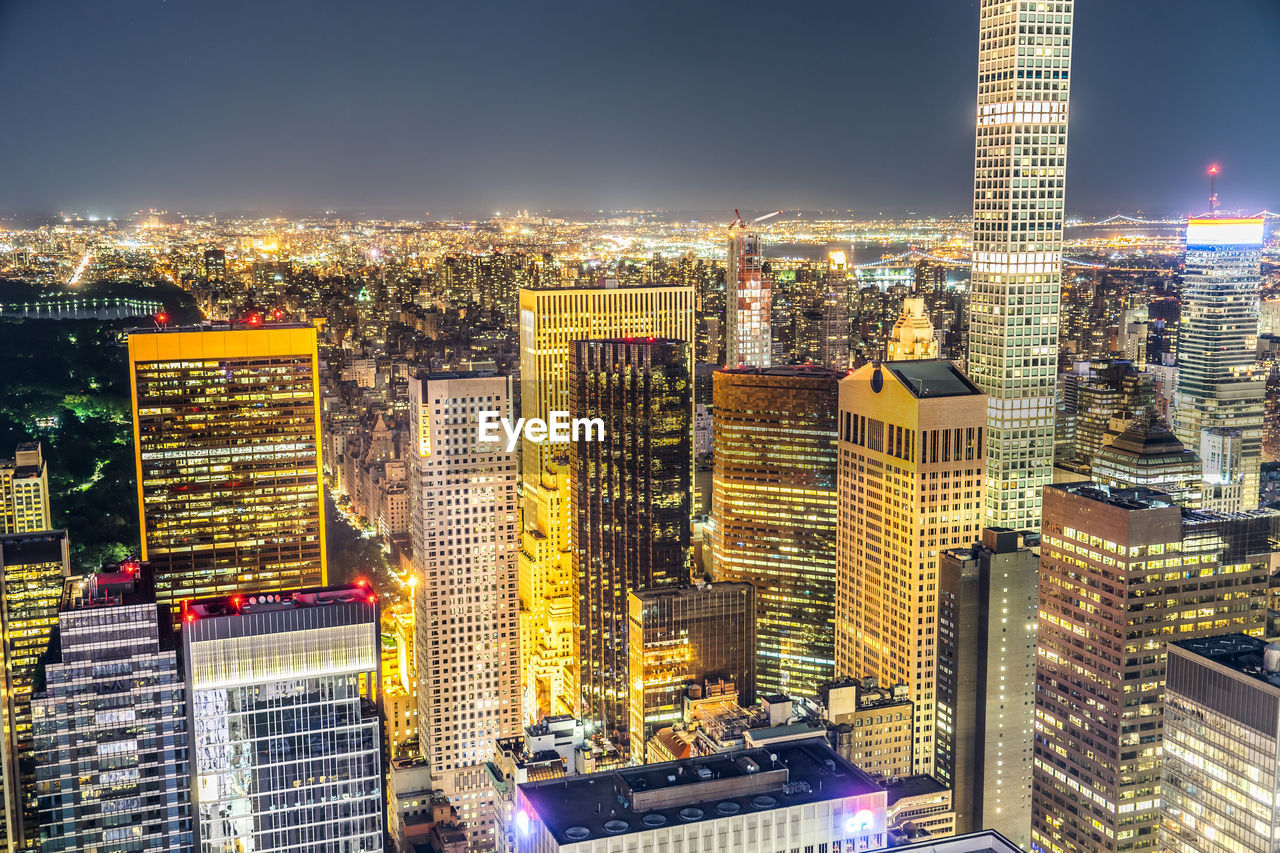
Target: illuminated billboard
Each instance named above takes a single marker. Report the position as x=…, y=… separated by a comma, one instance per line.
x=1224, y=232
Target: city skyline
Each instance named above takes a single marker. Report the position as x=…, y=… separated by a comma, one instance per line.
x=386, y=111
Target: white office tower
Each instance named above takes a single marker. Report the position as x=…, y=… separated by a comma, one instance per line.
x=1220, y=386
x=463, y=527
x=748, y=297
x=1024, y=64
x=286, y=748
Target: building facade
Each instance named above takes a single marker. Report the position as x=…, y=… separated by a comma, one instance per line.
x=630, y=502
x=1147, y=455
x=681, y=636
x=226, y=426
x=748, y=298
x=1220, y=385
x=33, y=569
x=1220, y=773
x=871, y=726
x=110, y=727
x=552, y=320
x=24, y=491
x=286, y=753
x=987, y=617
x=773, y=514
x=910, y=486
x=1019, y=183
x=1123, y=572
x=463, y=499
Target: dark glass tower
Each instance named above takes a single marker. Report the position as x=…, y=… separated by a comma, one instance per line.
x=773, y=515
x=630, y=497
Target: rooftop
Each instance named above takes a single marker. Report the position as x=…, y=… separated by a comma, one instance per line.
x=1129, y=498
x=987, y=841
x=23, y=549
x=1239, y=652
x=811, y=371
x=929, y=378
x=638, y=799
x=248, y=324
x=262, y=602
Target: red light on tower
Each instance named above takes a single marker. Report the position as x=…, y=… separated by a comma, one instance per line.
x=162, y=318
x=1213, y=169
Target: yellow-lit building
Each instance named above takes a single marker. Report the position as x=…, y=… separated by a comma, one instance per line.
x=24, y=491
x=551, y=320
x=227, y=438
x=33, y=570
x=773, y=515
x=910, y=486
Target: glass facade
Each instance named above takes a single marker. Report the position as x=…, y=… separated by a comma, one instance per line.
x=1220, y=386
x=110, y=730
x=552, y=320
x=773, y=515
x=686, y=636
x=285, y=741
x=33, y=569
x=1019, y=184
x=630, y=497
x=748, y=299
x=1220, y=776
x=228, y=456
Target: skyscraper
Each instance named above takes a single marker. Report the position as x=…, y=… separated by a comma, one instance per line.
x=1024, y=66
x=686, y=635
x=33, y=568
x=987, y=681
x=285, y=746
x=1121, y=573
x=1220, y=385
x=748, y=297
x=226, y=432
x=552, y=319
x=1220, y=773
x=463, y=530
x=24, y=491
x=773, y=514
x=215, y=266
x=110, y=725
x=630, y=501
x=1148, y=455
x=910, y=486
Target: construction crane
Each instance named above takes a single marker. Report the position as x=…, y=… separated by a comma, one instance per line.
x=737, y=219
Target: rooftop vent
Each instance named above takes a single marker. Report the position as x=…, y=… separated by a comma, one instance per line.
x=614, y=827
x=691, y=813
x=577, y=833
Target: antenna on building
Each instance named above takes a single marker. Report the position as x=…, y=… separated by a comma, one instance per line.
x=1213, y=189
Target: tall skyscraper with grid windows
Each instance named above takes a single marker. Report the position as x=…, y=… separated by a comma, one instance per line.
x=1024, y=66
x=462, y=508
x=1218, y=405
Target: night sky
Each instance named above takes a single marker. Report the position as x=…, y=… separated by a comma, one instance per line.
x=472, y=106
